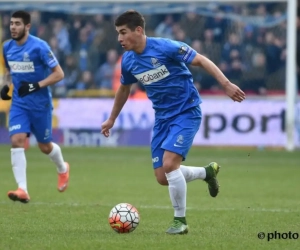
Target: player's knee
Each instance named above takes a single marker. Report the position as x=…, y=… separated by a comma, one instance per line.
x=162, y=180
x=18, y=141
x=161, y=177
x=45, y=148
x=169, y=166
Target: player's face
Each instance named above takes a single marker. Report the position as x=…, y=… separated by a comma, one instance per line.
x=129, y=39
x=17, y=28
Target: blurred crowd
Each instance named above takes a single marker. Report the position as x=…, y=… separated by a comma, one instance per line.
x=86, y=46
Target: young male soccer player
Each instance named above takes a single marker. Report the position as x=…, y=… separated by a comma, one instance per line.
x=32, y=66
x=160, y=65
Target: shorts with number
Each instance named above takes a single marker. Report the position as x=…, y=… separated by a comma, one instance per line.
x=26, y=121
x=175, y=134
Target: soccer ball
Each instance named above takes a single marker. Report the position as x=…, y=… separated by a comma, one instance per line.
x=124, y=218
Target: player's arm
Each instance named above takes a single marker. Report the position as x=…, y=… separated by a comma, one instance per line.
x=233, y=91
x=121, y=97
x=181, y=52
x=6, y=78
x=31, y=87
x=56, y=75
x=122, y=94
x=5, y=89
x=49, y=60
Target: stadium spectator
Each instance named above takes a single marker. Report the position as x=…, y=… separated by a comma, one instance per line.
x=232, y=49
x=255, y=78
x=86, y=81
x=62, y=35
x=104, y=75
x=192, y=24
x=72, y=75
x=246, y=50
x=165, y=28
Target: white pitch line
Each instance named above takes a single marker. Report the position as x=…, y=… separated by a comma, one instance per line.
x=74, y=204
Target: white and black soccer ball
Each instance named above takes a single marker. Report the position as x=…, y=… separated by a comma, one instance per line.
x=124, y=218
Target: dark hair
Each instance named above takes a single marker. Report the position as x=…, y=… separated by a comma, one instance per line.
x=131, y=19
x=25, y=16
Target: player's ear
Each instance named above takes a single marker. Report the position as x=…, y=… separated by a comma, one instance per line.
x=139, y=29
x=28, y=26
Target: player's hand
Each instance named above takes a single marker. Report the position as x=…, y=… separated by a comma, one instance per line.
x=28, y=88
x=4, y=93
x=106, y=126
x=234, y=92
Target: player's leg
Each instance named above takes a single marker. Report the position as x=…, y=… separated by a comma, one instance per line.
x=41, y=126
x=182, y=130
x=19, y=128
x=63, y=168
x=166, y=166
x=159, y=135
x=177, y=191
x=191, y=173
x=207, y=173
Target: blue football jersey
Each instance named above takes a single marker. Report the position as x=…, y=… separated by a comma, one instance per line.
x=29, y=62
x=162, y=69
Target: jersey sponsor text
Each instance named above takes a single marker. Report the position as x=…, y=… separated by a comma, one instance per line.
x=21, y=67
x=15, y=127
x=153, y=75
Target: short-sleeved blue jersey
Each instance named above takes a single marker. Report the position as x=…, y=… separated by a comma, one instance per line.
x=29, y=62
x=162, y=69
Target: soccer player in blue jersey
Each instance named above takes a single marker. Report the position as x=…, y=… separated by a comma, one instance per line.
x=32, y=67
x=160, y=65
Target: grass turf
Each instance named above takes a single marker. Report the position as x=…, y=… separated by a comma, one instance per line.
x=259, y=193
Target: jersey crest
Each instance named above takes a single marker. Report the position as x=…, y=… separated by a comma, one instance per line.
x=155, y=62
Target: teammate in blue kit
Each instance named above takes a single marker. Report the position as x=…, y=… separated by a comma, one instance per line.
x=160, y=65
x=32, y=67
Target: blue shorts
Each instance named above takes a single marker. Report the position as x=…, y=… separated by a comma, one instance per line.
x=175, y=134
x=26, y=121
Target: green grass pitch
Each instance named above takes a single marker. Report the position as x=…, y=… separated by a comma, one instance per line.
x=259, y=193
